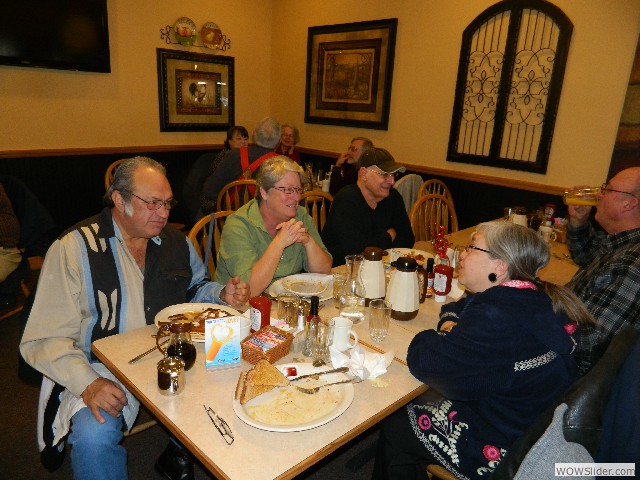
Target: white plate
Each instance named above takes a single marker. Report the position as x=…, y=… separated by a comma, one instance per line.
x=395, y=253
x=345, y=391
x=276, y=288
x=165, y=313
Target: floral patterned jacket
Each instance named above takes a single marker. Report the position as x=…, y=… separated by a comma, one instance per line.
x=507, y=359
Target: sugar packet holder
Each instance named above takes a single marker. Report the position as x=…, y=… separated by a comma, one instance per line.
x=222, y=342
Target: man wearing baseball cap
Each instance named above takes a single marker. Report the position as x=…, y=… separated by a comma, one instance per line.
x=370, y=213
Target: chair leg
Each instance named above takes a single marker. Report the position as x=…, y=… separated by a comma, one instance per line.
x=141, y=428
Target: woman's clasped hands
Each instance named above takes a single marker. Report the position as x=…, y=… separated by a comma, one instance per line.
x=290, y=232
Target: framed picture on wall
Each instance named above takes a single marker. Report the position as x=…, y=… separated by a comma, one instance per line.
x=349, y=73
x=195, y=91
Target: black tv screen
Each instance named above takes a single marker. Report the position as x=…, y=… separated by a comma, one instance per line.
x=60, y=34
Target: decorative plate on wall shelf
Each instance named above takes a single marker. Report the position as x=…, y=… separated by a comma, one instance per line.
x=211, y=35
x=185, y=31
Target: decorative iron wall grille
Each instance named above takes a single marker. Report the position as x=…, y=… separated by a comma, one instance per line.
x=509, y=81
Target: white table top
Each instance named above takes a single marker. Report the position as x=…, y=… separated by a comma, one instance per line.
x=255, y=454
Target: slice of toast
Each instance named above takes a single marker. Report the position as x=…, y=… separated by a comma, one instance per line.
x=263, y=377
x=240, y=384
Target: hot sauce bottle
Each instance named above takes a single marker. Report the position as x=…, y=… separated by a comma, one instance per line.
x=259, y=312
x=430, y=278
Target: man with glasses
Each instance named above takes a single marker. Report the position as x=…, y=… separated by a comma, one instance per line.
x=110, y=274
x=345, y=171
x=370, y=213
x=609, y=277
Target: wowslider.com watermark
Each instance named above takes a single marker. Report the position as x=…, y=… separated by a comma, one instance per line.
x=595, y=469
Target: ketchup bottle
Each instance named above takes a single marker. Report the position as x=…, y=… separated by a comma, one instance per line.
x=442, y=276
x=259, y=312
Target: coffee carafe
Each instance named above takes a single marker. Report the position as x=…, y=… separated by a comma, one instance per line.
x=404, y=290
x=372, y=274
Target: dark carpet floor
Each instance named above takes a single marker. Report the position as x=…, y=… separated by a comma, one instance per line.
x=20, y=458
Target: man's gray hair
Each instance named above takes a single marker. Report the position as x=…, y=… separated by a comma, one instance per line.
x=267, y=133
x=272, y=170
x=123, y=179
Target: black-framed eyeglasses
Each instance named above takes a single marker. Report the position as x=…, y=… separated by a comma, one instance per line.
x=473, y=247
x=290, y=190
x=220, y=424
x=606, y=188
x=156, y=204
x=385, y=175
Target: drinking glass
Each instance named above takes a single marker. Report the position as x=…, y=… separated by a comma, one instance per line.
x=588, y=196
x=323, y=338
x=338, y=282
x=379, y=315
x=288, y=309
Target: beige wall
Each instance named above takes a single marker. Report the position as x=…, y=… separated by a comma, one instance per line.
x=52, y=109
x=47, y=109
x=427, y=51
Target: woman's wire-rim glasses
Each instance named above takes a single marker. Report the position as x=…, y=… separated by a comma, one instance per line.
x=156, y=204
x=290, y=190
x=606, y=188
x=220, y=425
x=473, y=247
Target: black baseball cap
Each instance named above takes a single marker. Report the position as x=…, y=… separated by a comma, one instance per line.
x=380, y=158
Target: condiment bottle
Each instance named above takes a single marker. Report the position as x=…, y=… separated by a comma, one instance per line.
x=442, y=276
x=259, y=312
x=312, y=326
x=430, y=277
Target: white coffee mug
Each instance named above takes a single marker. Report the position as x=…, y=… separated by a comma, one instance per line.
x=342, y=332
x=547, y=234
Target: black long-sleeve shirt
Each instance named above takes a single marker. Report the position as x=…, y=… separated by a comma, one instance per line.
x=353, y=225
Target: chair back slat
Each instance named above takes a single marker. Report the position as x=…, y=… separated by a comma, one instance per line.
x=317, y=204
x=428, y=213
x=437, y=187
x=199, y=237
x=235, y=194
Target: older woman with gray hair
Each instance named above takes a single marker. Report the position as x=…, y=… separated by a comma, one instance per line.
x=271, y=236
x=288, y=141
x=498, y=359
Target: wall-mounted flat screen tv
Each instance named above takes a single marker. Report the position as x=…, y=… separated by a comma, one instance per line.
x=60, y=34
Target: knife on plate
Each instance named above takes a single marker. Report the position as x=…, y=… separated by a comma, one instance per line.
x=317, y=374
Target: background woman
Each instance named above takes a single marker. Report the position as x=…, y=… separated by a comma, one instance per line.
x=288, y=140
x=500, y=357
x=271, y=236
x=194, y=202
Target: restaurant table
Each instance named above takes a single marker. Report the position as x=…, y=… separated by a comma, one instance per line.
x=559, y=270
x=255, y=454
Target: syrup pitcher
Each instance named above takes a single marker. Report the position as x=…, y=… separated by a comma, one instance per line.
x=180, y=344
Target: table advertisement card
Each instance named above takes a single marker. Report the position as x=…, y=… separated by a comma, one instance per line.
x=222, y=342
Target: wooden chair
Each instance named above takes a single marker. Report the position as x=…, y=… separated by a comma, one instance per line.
x=111, y=171
x=35, y=265
x=435, y=471
x=199, y=237
x=429, y=212
x=235, y=194
x=435, y=186
x=317, y=204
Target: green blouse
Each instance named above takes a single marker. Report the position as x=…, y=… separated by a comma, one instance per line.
x=245, y=239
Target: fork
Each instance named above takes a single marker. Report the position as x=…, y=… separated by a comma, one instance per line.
x=312, y=390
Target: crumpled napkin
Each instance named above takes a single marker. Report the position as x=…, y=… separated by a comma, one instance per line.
x=456, y=292
x=361, y=364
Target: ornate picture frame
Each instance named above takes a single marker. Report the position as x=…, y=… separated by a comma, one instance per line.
x=349, y=74
x=195, y=91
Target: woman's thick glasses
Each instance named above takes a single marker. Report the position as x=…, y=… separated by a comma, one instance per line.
x=290, y=190
x=473, y=247
x=606, y=188
x=220, y=424
x=156, y=204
